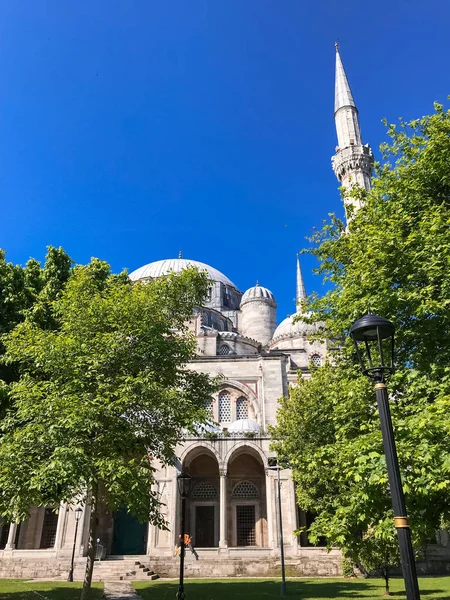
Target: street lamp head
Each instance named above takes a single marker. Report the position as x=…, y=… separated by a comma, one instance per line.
x=78, y=511
x=184, y=481
x=373, y=337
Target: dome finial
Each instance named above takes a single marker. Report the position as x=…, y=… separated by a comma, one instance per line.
x=180, y=254
x=336, y=45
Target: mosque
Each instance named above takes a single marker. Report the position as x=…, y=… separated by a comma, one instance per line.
x=232, y=510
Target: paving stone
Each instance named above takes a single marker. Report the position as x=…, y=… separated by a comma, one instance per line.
x=120, y=590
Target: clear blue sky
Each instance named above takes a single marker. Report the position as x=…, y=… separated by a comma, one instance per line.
x=131, y=129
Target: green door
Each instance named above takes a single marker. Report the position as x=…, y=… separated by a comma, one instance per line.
x=130, y=536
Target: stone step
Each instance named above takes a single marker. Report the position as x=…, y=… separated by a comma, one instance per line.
x=120, y=570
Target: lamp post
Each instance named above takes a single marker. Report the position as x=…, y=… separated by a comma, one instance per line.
x=373, y=337
x=78, y=511
x=273, y=464
x=184, y=488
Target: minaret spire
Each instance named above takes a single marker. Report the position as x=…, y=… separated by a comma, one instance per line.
x=353, y=161
x=301, y=290
x=342, y=93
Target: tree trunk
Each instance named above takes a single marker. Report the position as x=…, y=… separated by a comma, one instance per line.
x=92, y=542
x=386, y=583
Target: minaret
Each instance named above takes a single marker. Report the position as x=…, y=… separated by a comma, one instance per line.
x=353, y=162
x=300, y=295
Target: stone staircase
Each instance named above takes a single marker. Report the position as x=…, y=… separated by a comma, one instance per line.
x=127, y=569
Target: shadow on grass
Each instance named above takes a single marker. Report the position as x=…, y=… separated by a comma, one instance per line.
x=304, y=589
x=14, y=589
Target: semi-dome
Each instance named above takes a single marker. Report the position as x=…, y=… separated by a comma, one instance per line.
x=258, y=292
x=243, y=426
x=288, y=329
x=176, y=265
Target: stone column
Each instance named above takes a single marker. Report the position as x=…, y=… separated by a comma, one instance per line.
x=83, y=530
x=269, y=501
x=223, y=510
x=60, y=526
x=11, y=543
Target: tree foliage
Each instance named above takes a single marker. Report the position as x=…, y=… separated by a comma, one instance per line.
x=394, y=261
x=27, y=293
x=102, y=394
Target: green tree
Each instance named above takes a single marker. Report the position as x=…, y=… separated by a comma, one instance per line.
x=27, y=293
x=395, y=261
x=102, y=396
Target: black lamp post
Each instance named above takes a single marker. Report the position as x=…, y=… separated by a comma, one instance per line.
x=184, y=488
x=273, y=464
x=78, y=511
x=373, y=337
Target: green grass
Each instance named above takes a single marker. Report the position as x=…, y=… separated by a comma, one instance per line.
x=21, y=589
x=436, y=588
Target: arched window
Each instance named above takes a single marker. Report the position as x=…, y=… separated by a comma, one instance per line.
x=204, y=490
x=316, y=360
x=245, y=489
x=224, y=407
x=242, y=408
x=224, y=349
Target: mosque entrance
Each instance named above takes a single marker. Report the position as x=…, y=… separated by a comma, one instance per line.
x=129, y=536
x=204, y=526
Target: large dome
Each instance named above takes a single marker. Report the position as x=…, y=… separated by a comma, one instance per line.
x=176, y=265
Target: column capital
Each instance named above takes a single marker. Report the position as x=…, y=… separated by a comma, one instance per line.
x=223, y=472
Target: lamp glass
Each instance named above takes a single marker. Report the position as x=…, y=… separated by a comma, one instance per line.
x=78, y=512
x=184, y=484
x=373, y=337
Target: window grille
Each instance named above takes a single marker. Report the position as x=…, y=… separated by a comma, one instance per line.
x=48, y=536
x=242, y=408
x=245, y=525
x=204, y=490
x=210, y=408
x=245, y=489
x=224, y=407
x=224, y=349
x=316, y=360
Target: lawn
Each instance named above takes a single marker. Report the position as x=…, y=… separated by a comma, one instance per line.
x=436, y=588
x=21, y=589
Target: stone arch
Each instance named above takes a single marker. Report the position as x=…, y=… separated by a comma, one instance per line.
x=194, y=449
x=247, y=496
x=202, y=507
x=242, y=447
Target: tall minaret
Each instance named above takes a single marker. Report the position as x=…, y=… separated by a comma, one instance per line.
x=353, y=162
x=300, y=295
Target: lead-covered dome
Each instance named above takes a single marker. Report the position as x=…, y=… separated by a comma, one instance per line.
x=176, y=265
x=258, y=292
x=287, y=329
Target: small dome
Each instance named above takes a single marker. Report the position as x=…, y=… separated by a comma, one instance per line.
x=257, y=293
x=176, y=265
x=242, y=426
x=288, y=329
